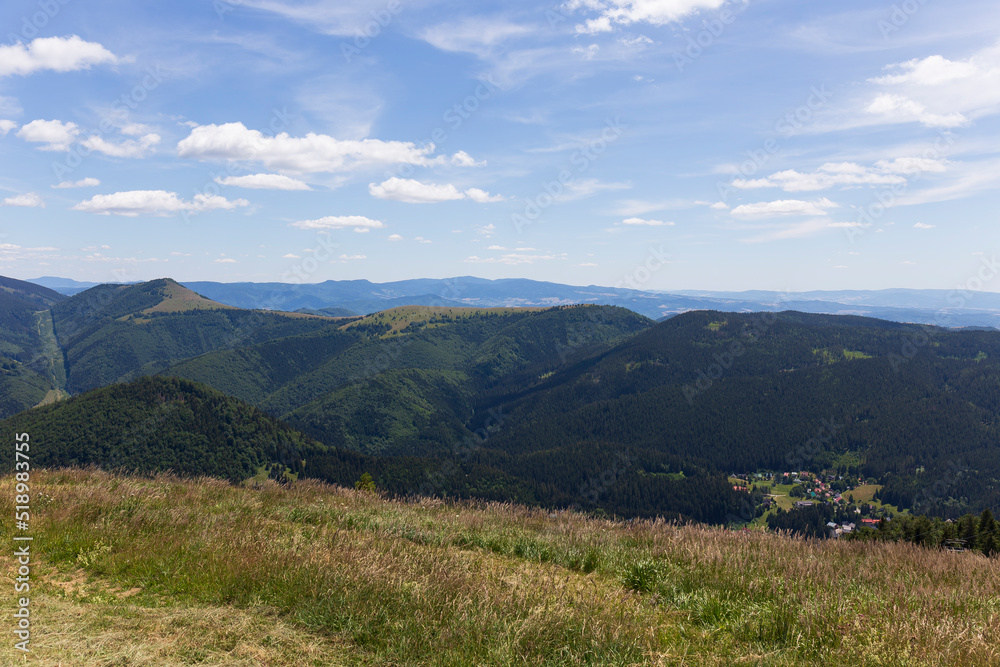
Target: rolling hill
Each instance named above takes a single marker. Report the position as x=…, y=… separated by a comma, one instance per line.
x=113, y=333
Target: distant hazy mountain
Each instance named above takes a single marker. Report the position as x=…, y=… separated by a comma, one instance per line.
x=948, y=308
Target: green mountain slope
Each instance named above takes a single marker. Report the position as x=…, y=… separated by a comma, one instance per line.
x=114, y=333
x=161, y=424
x=733, y=392
x=29, y=365
x=345, y=386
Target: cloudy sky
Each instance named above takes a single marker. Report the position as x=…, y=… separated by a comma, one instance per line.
x=768, y=144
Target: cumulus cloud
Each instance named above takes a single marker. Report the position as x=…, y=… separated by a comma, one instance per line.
x=6, y=126
x=395, y=237
x=923, y=225
x=56, y=135
x=131, y=148
x=931, y=71
x=263, y=182
x=82, y=183
x=313, y=153
x=359, y=223
x=58, y=54
x=155, y=202
x=27, y=200
x=414, y=192
x=225, y=260
x=899, y=108
x=627, y=12
x=784, y=207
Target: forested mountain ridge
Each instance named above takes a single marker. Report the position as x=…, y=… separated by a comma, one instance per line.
x=157, y=424
x=588, y=405
x=404, y=380
x=113, y=333
x=907, y=405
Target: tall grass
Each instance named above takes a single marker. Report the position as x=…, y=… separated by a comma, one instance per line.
x=437, y=583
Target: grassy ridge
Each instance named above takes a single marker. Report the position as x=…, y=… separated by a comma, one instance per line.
x=360, y=579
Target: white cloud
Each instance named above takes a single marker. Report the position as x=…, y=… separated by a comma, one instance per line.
x=6, y=126
x=627, y=12
x=313, y=153
x=796, y=231
x=347, y=258
x=923, y=225
x=784, y=207
x=913, y=165
x=513, y=259
x=414, y=192
x=481, y=36
x=482, y=196
x=899, y=108
x=59, y=54
x=645, y=222
x=56, y=135
x=344, y=18
x=931, y=71
x=588, y=187
x=359, y=223
x=263, y=182
x=88, y=182
x=832, y=174
x=133, y=148
x=463, y=159
x=27, y=200
x=154, y=202
x=225, y=260
x=291, y=256
x=395, y=237
x=421, y=239
x=719, y=206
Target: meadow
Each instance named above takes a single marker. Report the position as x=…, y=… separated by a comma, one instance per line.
x=168, y=571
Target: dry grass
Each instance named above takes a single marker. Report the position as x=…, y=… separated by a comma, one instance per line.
x=358, y=578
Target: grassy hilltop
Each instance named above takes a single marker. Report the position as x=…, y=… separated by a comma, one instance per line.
x=158, y=571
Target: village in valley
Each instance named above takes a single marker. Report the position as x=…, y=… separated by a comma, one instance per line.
x=850, y=501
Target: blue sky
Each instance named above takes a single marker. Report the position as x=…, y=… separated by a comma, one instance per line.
x=663, y=144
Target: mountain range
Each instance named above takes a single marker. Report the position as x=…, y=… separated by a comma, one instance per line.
x=961, y=307
x=589, y=405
